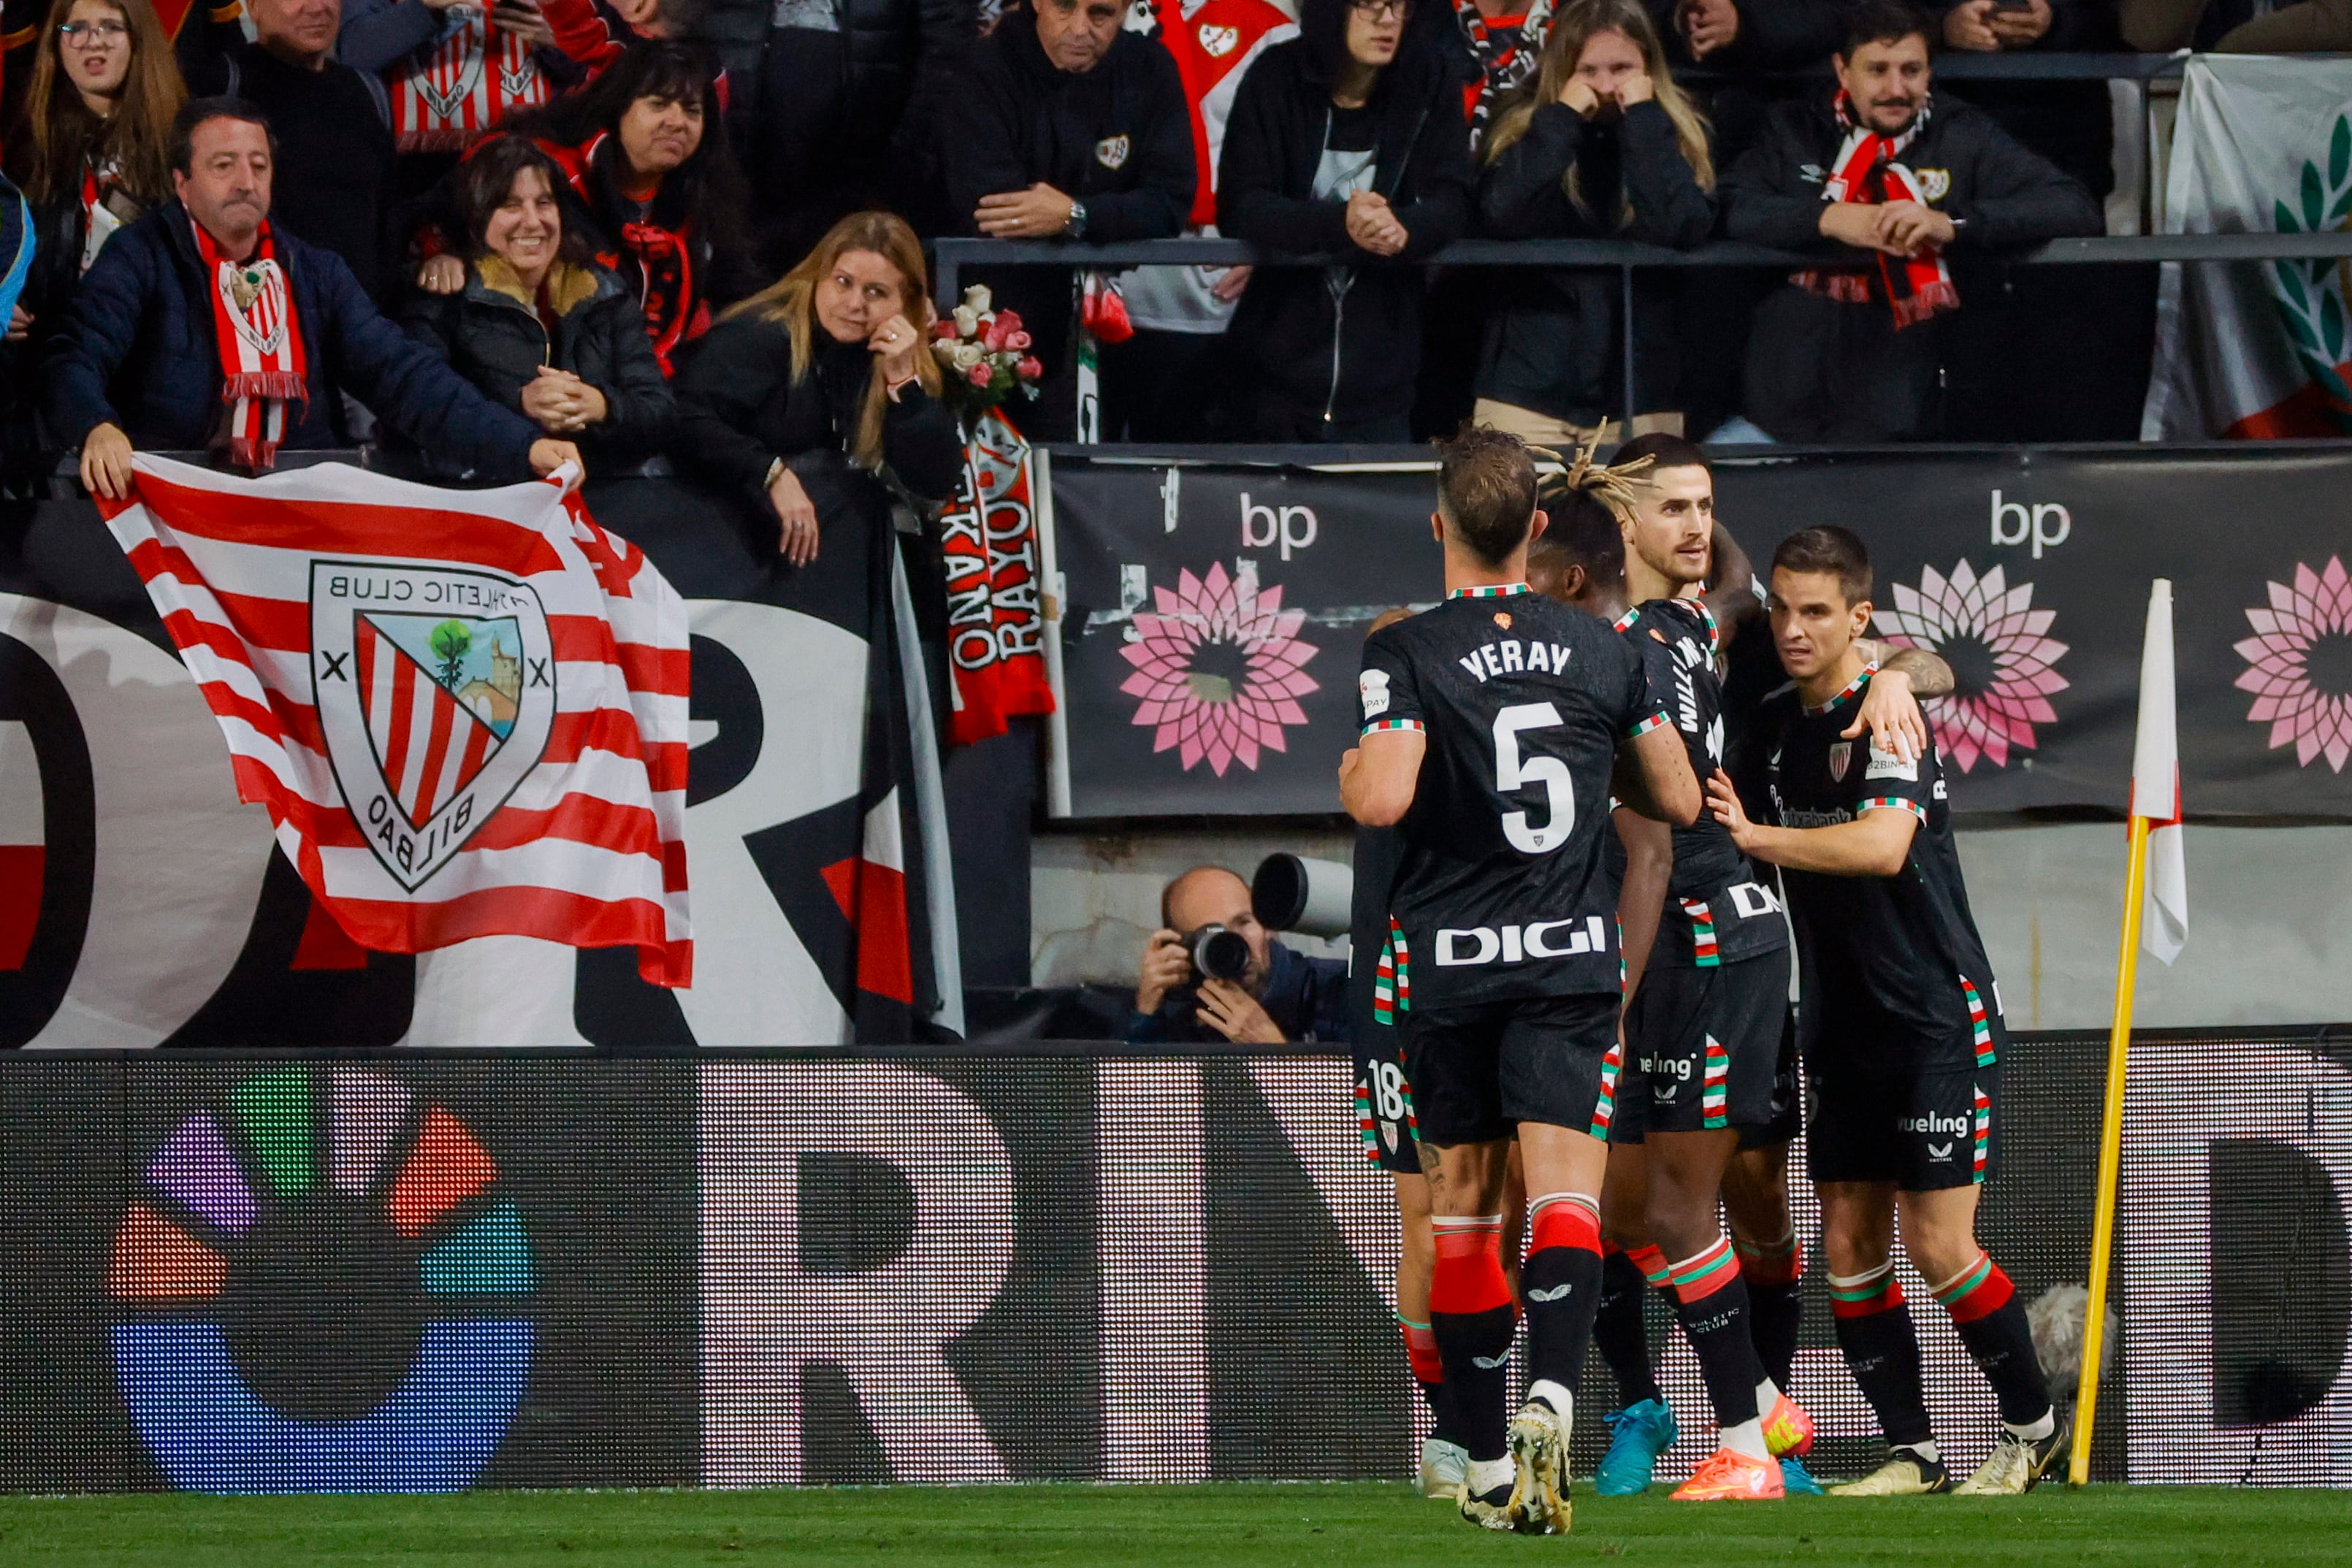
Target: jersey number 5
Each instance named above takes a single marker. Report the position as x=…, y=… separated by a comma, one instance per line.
x=1514, y=772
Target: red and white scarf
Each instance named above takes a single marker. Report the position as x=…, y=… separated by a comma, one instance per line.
x=1868, y=169
x=261, y=345
x=456, y=91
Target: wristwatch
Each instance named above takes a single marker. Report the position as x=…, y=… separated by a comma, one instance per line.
x=1077, y=227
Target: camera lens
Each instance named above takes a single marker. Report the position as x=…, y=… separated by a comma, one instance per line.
x=1219, y=954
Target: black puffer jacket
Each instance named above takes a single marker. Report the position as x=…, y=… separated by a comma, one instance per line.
x=740, y=408
x=1292, y=319
x=1555, y=340
x=489, y=333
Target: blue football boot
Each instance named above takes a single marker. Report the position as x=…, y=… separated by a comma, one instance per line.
x=1795, y=1479
x=1640, y=1433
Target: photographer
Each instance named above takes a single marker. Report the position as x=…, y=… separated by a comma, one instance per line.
x=1279, y=996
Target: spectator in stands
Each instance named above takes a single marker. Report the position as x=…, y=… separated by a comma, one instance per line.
x=2308, y=27
x=1283, y=995
x=1503, y=39
x=1348, y=141
x=87, y=151
x=332, y=123
x=1168, y=383
x=1066, y=127
x=845, y=95
x=204, y=326
x=539, y=327
x=1606, y=146
x=454, y=70
x=644, y=156
x=1880, y=180
x=814, y=396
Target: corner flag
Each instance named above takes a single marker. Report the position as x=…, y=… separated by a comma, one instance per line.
x=2155, y=786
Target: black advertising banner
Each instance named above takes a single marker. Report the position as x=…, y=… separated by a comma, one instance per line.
x=142, y=904
x=1212, y=615
x=434, y=1271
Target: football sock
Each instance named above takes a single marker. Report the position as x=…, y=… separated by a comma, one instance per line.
x=1560, y=1283
x=1991, y=1323
x=1471, y=1318
x=1776, y=1300
x=1875, y=1332
x=1429, y=1372
x=1711, y=1301
x=1618, y=1331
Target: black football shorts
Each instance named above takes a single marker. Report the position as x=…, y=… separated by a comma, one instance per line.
x=1706, y=1043
x=1479, y=1071
x=1924, y=1131
x=1787, y=1094
x=1384, y=1110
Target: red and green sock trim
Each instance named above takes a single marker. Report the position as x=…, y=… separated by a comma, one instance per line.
x=1467, y=1277
x=1653, y=1266
x=1864, y=1296
x=1772, y=1265
x=1421, y=1350
x=1697, y=1278
x=1976, y=1291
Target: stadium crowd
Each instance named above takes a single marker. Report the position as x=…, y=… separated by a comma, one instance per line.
x=360, y=197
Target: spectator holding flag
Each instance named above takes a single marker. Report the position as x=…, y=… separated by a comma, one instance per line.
x=204, y=326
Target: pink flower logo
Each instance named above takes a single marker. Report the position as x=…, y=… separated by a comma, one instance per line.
x=2305, y=644
x=1218, y=669
x=1993, y=638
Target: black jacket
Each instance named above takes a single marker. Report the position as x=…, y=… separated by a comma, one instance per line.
x=1118, y=137
x=138, y=350
x=739, y=409
x=1555, y=340
x=332, y=183
x=1305, y=998
x=2002, y=195
x=490, y=334
x=1352, y=353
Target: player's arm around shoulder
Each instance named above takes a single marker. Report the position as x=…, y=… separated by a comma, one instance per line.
x=1876, y=842
x=1653, y=777
x=1380, y=773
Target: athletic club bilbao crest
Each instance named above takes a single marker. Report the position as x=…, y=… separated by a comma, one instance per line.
x=1218, y=42
x=1111, y=152
x=435, y=689
x=1840, y=756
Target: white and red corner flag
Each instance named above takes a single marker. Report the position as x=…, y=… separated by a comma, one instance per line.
x=2155, y=786
x=465, y=710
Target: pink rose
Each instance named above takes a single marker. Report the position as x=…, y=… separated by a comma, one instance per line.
x=981, y=375
x=1010, y=319
x=1016, y=341
x=944, y=328
x=1030, y=369
x=993, y=338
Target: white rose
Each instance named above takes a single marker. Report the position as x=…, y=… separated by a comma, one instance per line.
x=968, y=355
x=944, y=351
x=967, y=320
x=977, y=299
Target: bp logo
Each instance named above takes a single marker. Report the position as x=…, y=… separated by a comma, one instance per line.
x=321, y=1288
x=435, y=689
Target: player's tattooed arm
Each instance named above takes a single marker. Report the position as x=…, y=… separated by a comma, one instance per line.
x=1642, y=901
x=1653, y=776
x=1378, y=777
x=1875, y=843
x=1890, y=706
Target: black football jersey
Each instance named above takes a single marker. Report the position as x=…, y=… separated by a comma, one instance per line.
x=1717, y=909
x=1500, y=892
x=1895, y=980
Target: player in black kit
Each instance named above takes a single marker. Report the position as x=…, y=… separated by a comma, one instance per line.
x=1901, y=1025
x=1492, y=726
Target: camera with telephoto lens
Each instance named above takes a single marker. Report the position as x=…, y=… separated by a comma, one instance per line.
x=1218, y=954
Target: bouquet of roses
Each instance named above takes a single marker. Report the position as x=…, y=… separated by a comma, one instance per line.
x=984, y=354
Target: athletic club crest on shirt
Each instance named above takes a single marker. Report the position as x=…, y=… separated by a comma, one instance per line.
x=1111, y=152
x=435, y=689
x=1218, y=42
x=1840, y=754
x=1935, y=183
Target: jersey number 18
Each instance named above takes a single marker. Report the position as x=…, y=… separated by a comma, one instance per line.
x=1514, y=772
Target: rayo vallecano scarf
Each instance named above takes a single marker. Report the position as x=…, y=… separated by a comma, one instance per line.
x=1868, y=170
x=260, y=348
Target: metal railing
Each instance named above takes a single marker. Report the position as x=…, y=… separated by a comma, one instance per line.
x=1624, y=256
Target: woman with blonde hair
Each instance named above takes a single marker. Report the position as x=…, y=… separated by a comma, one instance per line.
x=1605, y=145
x=817, y=394
x=89, y=148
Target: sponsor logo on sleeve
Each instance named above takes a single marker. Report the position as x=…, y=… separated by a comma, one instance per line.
x=1884, y=764
x=1373, y=686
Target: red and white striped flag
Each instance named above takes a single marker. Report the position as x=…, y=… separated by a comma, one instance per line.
x=466, y=711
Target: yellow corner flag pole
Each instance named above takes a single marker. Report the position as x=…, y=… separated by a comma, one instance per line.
x=2111, y=1150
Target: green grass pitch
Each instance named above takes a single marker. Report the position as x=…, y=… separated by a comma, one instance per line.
x=1361, y=1525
